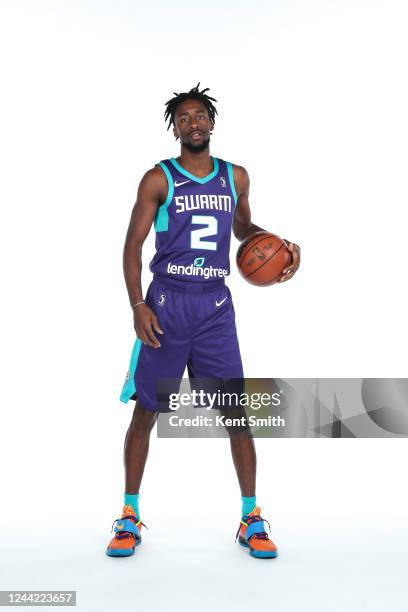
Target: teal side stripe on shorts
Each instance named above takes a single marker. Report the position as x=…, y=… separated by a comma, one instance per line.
x=161, y=222
x=231, y=180
x=129, y=388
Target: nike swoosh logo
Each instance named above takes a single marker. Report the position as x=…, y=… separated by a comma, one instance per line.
x=176, y=184
x=219, y=303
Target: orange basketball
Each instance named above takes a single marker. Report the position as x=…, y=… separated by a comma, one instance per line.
x=262, y=257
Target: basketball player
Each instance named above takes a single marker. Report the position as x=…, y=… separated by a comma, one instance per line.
x=187, y=316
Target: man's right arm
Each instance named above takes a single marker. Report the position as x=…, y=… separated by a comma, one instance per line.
x=151, y=193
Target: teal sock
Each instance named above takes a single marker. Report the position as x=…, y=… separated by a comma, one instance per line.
x=132, y=499
x=248, y=504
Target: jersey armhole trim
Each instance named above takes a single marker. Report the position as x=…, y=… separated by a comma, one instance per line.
x=231, y=180
x=161, y=222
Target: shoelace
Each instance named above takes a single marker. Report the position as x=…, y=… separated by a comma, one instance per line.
x=120, y=535
x=254, y=519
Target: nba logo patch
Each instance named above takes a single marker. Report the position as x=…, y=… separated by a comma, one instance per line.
x=161, y=300
x=223, y=181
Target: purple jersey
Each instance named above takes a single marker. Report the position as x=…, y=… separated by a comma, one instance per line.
x=193, y=225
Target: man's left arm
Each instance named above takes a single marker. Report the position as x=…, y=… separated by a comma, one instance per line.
x=243, y=227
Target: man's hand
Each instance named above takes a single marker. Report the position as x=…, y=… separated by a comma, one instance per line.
x=290, y=271
x=145, y=323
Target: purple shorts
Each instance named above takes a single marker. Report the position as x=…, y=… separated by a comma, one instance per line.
x=198, y=321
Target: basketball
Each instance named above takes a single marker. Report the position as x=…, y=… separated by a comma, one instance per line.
x=262, y=257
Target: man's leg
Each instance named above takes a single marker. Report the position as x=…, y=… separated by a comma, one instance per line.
x=128, y=528
x=147, y=365
x=215, y=355
x=251, y=532
x=215, y=358
x=243, y=453
x=137, y=447
x=244, y=458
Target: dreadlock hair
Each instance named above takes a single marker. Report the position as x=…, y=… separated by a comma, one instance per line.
x=193, y=94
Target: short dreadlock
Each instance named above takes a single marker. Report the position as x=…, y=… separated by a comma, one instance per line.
x=193, y=94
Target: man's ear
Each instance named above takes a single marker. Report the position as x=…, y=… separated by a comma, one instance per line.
x=212, y=126
x=176, y=136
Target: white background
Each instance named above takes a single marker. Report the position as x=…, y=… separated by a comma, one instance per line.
x=312, y=100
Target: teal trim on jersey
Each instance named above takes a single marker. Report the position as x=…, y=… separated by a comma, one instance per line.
x=161, y=222
x=231, y=180
x=129, y=388
x=188, y=174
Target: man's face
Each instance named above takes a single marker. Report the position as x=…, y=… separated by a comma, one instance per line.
x=193, y=125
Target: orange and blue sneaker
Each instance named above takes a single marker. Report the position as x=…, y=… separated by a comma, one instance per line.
x=127, y=534
x=251, y=534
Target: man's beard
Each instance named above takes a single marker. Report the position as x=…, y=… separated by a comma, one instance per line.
x=197, y=148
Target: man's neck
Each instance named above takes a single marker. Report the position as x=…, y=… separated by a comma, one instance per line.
x=199, y=164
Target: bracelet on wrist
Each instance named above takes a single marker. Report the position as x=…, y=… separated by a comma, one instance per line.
x=137, y=304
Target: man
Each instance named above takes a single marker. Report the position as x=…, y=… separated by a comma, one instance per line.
x=187, y=317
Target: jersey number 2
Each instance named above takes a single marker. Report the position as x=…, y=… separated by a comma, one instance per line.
x=197, y=235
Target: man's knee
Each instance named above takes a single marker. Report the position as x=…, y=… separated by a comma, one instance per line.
x=236, y=422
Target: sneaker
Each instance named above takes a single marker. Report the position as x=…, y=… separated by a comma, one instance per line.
x=127, y=534
x=251, y=534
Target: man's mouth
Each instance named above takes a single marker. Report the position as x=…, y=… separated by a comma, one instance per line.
x=196, y=135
